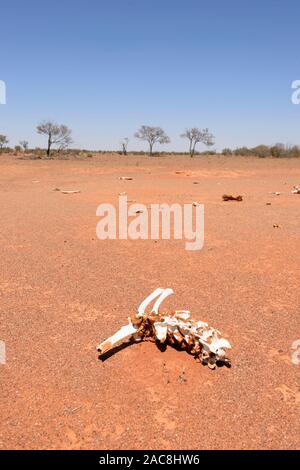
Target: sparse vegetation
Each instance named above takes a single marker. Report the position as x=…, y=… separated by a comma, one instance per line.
x=3, y=141
x=264, y=151
x=195, y=136
x=152, y=135
x=124, y=144
x=24, y=144
x=242, y=151
x=226, y=151
x=261, y=151
x=59, y=135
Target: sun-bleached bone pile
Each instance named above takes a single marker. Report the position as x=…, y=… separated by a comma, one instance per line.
x=177, y=328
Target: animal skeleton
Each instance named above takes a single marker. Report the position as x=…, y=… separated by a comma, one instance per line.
x=177, y=328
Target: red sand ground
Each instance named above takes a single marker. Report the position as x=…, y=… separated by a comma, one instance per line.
x=62, y=291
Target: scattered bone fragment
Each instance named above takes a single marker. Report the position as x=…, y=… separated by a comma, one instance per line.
x=227, y=197
x=182, y=173
x=296, y=354
x=174, y=328
x=196, y=204
x=125, y=178
x=64, y=191
x=296, y=190
x=276, y=193
x=2, y=353
x=276, y=226
x=76, y=191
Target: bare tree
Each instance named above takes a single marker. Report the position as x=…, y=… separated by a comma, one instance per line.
x=152, y=135
x=59, y=135
x=124, y=144
x=208, y=138
x=3, y=141
x=195, y=136
x=24, y=144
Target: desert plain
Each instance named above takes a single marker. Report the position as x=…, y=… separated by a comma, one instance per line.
x=62, y=291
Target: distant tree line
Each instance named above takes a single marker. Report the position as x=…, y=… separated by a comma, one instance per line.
x=263, y=151
x=59, y=136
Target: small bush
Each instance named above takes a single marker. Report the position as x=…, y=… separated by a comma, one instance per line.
x=243, y=151
x=276, y=151
x=294, y=152
x=226, y=151
x=261, y=151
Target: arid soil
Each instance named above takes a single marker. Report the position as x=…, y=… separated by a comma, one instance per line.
x=62, y=291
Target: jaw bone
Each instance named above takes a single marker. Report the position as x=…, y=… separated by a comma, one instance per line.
x=178, y=328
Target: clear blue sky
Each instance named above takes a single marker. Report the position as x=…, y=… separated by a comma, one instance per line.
x=104, y=67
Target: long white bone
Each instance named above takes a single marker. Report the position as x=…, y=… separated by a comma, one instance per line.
x=124, y=333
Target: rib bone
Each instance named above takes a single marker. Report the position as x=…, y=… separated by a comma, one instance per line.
x=166, y=293
x=148, y=300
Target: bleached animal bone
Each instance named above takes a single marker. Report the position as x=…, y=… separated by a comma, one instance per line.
x=177, y=328
x=227, y=197
x=296, y=190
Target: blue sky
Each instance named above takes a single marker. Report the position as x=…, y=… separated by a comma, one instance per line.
x=104, y=67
